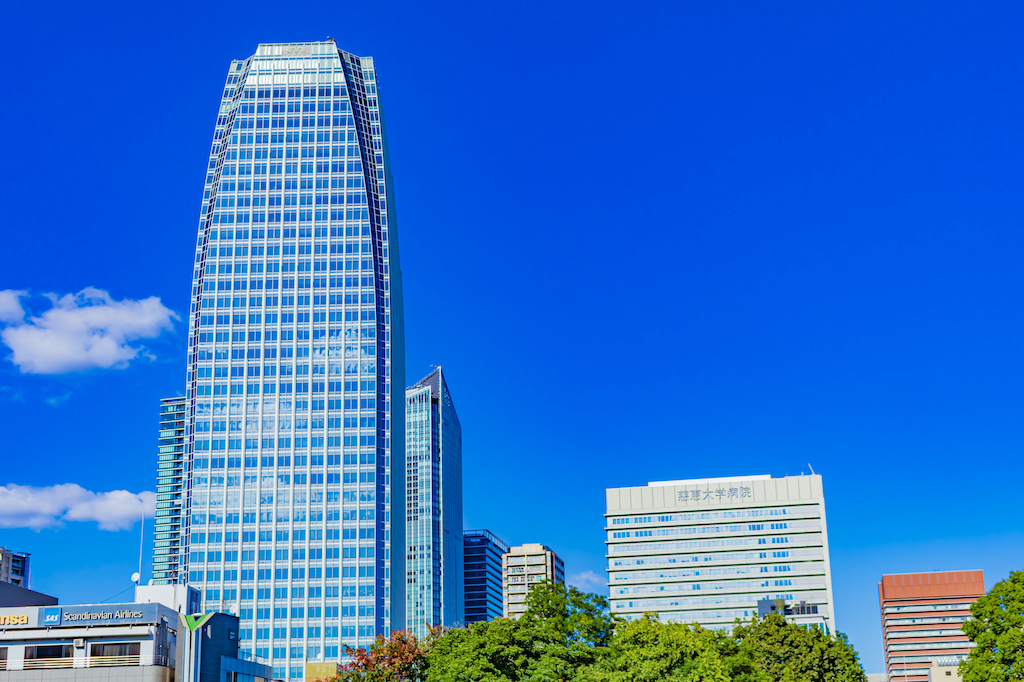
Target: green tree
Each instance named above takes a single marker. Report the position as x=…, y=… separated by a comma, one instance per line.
x=996, y=627
x=570, y=615
x=646, y=650
x=497, y=651
x=562, y=629
x=785, y=652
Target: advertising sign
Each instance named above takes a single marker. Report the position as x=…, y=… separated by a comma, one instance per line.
x=22, y=617
x=98, y=614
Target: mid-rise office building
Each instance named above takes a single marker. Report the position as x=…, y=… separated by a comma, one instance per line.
x=921, y=618
x=433, y=513
x=482, y=566
x=148, y=640
x=709, y=550
x=295, y=375
x=15, y=568
x=524, y=567
x=170, y=492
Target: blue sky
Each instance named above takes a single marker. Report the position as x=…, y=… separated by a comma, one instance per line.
x=646, y=241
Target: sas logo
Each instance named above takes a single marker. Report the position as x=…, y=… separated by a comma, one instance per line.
x=51, y=616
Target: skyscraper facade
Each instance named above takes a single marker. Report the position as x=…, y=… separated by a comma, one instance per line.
x=296, y=362
x=922, y=614
x=170, y=492
x=482, y=568
x=433, y=514
x=708, y=551
x=524, y=567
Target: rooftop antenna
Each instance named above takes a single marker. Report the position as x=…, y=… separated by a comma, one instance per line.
x=811, y=468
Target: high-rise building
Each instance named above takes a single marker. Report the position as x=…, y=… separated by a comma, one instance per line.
x=482, y=567
x=296, y=376
x=707, y=551
x=433, y=514
x=170, y=487
x=15, y=567
x=921, y=618
x=523, y=567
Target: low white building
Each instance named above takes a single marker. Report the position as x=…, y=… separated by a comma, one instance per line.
x=708, y=551
x=148, y=640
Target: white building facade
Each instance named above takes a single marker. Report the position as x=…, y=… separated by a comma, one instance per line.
x=707, y=551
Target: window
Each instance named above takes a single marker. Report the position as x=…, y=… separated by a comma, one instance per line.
x=111, y=649
x=34, y=653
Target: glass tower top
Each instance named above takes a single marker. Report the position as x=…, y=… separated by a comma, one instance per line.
x=295, y=379
x=433, y=513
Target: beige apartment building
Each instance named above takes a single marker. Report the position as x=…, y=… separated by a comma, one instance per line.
x=522, y=568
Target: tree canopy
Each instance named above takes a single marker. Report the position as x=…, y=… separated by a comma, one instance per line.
x=996, y=627
x=568, y=636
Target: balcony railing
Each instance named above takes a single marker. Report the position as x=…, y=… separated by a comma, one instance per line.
x=85, y=662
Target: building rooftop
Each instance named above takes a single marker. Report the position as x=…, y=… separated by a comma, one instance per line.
x=527, y=548
x=933, y=584
x=699, y=481
x=483, y=533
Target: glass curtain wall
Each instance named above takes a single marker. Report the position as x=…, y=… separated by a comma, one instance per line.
x=296, y=357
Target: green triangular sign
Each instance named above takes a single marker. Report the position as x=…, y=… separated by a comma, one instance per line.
x=194, y=622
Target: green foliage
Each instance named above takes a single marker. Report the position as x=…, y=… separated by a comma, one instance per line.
x=568, y=636
x=997, y=629
x=562, y=629
x=484, y=652
x=569, y=616
x=648, y=651
x=783, y=652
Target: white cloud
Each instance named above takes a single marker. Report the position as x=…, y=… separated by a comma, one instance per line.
x=23, y=506
x=10, y=306
x=589, y=581
x=81, y=331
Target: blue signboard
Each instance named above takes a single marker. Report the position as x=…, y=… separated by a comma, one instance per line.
x=49, y=616
x=99, y=614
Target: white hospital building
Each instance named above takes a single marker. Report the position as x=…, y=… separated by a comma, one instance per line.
x=713, y=550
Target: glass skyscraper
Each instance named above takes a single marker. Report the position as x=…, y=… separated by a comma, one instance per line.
x=482, y=562
x=170, y=492
x=434, y=506
x=296, y=369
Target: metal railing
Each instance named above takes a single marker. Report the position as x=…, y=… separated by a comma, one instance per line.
x=44, y=663
x=85, y=662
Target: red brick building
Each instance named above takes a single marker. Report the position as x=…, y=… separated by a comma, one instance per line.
x=921, y=618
